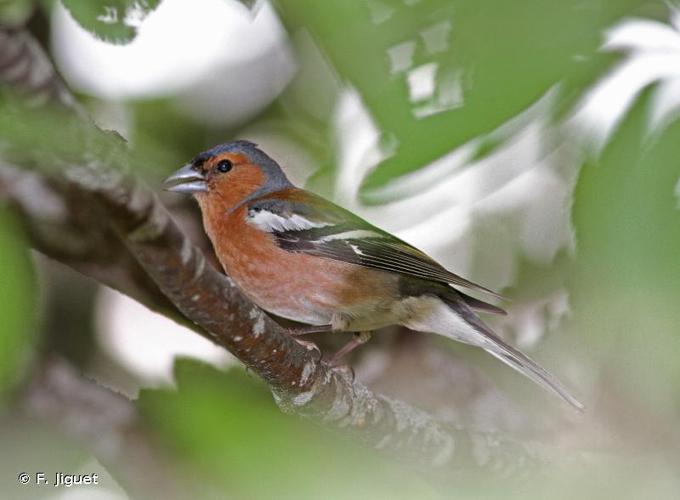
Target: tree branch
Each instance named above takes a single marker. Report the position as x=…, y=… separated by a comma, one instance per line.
x=300, y=383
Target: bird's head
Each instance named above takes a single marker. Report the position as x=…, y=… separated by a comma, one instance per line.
x=233, y=172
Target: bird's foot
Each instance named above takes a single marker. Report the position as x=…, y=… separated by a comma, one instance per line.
x=308, y=345
x=360, y=338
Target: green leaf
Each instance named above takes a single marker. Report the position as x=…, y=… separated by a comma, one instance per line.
x=489, y=60
x=113, y=21
x=17, y=302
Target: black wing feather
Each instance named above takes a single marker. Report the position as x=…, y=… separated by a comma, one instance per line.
x=377, y=249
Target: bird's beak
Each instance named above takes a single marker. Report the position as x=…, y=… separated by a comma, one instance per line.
x=186, y=181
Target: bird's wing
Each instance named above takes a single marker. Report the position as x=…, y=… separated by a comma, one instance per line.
x=306, y=223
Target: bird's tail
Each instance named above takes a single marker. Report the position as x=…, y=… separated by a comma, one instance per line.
x=525, y=365
x=511, y=356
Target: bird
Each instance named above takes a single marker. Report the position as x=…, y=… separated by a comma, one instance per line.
x=301, y=257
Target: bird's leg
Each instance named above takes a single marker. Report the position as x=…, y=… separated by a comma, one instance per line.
x=306, y=330
x=359, y=339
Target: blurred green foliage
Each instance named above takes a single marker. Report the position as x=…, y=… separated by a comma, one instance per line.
x=17, y=302
x=113, y=21
x=501, y=56
x=163, y=137
x=226, y=426
x=626, y=280
x=15, y=12
x=626, y=209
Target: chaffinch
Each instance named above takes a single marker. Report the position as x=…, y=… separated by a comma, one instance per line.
x=301, y=257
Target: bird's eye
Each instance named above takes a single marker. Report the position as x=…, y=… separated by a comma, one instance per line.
x=224, y=166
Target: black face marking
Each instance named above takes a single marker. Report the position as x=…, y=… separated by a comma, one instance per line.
x=198, y=161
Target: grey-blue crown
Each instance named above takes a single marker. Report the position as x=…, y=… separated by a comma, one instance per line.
x=276, y=178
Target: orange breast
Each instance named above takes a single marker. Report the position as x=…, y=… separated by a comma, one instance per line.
x=294, y=285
